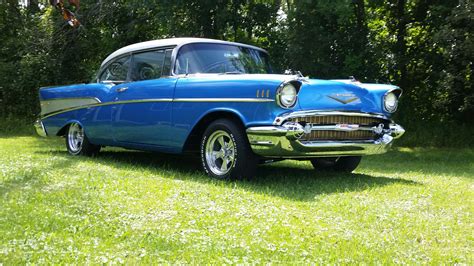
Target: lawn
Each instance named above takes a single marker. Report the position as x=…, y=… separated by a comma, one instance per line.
x=412, y=205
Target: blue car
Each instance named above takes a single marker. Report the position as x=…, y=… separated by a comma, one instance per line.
x=222, y=100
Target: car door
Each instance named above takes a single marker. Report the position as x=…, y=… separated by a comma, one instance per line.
x=143, y=110
x=111, y=77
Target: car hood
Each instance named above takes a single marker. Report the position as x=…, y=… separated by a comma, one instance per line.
x=342, y=95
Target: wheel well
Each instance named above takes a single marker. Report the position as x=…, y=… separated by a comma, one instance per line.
x=193, y=141
x=63, y=130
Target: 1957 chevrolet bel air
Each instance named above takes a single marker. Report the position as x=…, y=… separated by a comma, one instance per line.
x=223, y=100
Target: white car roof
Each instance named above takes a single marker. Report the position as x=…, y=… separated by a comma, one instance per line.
x=168, y=42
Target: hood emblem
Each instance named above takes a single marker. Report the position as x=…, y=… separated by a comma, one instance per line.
x=344, y=98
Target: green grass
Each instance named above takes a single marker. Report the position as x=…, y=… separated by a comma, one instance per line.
x=408, y=206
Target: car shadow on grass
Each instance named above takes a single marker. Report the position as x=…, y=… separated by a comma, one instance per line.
x=294, y=181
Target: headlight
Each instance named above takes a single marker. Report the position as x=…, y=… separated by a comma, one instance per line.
x=286, y=95
x=390, y=102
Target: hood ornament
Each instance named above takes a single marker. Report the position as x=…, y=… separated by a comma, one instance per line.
x=344, y=98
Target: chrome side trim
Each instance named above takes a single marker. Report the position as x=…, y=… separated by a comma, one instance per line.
x=73, y=108
x=157, y=100
x=280, y=119
x=105, y=104
x=238, y=100
x=57, y=104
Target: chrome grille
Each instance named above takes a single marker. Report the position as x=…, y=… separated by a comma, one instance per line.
x=338, y=119
x=338, y=135
x=319, y=135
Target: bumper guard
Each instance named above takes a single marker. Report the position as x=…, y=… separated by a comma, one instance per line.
x=40, y=130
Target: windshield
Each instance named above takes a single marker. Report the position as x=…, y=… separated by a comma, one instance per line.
x=221, y=58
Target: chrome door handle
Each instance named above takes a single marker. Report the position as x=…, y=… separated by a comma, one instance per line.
x=122, y=89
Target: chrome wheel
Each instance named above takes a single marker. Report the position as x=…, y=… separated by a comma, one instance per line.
x=220, y=152
x=75, y=137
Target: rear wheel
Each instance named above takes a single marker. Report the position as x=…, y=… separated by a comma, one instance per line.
x=225, y=151
x=345, y=164
x=77, y=142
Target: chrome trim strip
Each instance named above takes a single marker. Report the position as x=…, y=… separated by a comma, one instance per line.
x=57, y=104
x=49, y=114
x=281, y=119
x=238, y=100
x=105, y=104
x=70, y=98
x=157, y=100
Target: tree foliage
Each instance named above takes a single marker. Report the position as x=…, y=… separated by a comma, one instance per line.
x=425, y=46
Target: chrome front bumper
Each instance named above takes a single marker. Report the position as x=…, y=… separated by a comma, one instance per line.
x=40, y=130
x=282, y=141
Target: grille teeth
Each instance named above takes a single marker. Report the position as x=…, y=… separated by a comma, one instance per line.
x=337, y=119
x=338, y=135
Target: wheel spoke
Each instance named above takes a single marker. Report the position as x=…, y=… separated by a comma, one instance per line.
x=220, y=139
x=216, y=155
x=225, y=161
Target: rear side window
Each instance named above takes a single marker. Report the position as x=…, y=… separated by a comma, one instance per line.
x=117, y=70
x=151, y=65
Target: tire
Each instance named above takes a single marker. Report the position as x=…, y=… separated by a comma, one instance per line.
x=77, y=142
x=226, y=153
x=339, y=164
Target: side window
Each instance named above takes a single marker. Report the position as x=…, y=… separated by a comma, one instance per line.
x=167, y=63
x=151, y=65
x=117, y=70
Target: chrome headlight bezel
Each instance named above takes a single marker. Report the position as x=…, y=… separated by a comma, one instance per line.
x=287, y=95
x=390, y=101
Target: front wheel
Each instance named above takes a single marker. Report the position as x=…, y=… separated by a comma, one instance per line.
x=225, y=151
x=77, y=142
x=340, y=164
